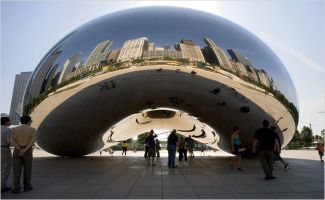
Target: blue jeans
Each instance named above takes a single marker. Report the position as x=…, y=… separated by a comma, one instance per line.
x=171, y=155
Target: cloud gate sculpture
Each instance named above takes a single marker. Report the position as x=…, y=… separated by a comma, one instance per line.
x=125, y=73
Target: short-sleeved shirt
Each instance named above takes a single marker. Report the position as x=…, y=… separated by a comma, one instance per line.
x=266, y=139
x=5, y=136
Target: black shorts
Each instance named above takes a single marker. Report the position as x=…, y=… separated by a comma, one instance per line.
x=236, y=149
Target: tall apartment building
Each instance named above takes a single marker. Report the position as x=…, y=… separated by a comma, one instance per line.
x=216, y=55
x=190, y=51
x=161, y=54
x=38, y=84
x=133, y=49
x=237, y=56
x=69, y=66
x=99, y=53
x=21, y=81
x=239, y=68
x=263, y=77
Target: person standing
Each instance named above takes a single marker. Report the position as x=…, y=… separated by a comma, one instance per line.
x=277, y=156
x=190, y=146
x=235, y=144
x=6, y=156
x=151, y=147
x=267, y=144
x=171, y=147
x=22, y=139
x=146, y=146
x=202, y=150
x=157, y=148
x=320, y=148
x=180, y=147
x=124, y=147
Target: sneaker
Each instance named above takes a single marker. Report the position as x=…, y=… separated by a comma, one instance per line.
x=28, y=188
x=240, y=169
x=269, y=177
x=286, y=166
x=6, y=189
x=15, y=191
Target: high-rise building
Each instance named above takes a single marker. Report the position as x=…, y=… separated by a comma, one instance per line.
x=216, y=55
x=113, y=55
x=21, y=81
x=133, y=49
x=237, y=56
x=239, y=68
x=69, y=66
x=162, y=54
x=190, y=51
x=263, y=78
x=252, y=74
x=99, y=53
x=38, y=84
x=151, y=46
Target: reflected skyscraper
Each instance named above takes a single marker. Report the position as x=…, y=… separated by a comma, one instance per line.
x=190, y=50
x=99, y=53
x=133, y=49
x=216, y=55
x=69, y=66
x=139, y=83
x=237, y=56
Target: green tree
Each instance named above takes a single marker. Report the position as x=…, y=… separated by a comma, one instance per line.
x=296, y=139
x=306, y=136
x=322, y=133
x=141, y=140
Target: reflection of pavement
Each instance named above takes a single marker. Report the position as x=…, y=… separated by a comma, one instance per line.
x=204, y=177
x=88, y=99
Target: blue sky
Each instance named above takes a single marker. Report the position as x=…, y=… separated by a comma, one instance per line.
x=294, y=30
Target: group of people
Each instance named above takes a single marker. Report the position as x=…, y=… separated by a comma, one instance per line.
x=266, y=143
x=21, y=138
x=182, y=145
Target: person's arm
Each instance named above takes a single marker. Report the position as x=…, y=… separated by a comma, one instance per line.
x=30, y=144
x=13, y=140
x=8, y=136
x=277, y=146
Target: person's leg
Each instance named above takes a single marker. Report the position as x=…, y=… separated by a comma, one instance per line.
x=270, y=160
x=27, y=164
x=5, y=166
x=180, y=154
x=173, y=155
x=17, y=167
x=169, y=157
x=185, y=155
x=264, y=164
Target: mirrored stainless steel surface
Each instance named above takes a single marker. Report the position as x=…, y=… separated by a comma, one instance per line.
x=169, y=67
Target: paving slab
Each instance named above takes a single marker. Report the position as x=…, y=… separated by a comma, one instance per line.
x=202, y=177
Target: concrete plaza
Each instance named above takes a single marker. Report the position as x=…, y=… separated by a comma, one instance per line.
x=204, y=177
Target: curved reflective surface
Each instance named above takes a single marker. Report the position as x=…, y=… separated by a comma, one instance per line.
x=141, y=65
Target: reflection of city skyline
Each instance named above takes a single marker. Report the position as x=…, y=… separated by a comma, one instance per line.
x=142, y=48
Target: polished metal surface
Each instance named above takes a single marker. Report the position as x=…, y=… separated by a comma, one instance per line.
x=157, y=68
